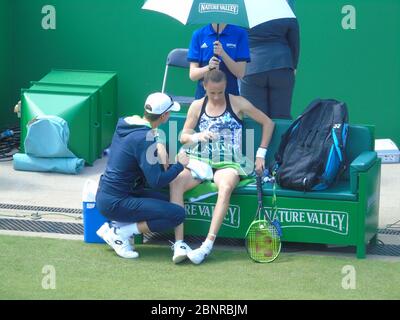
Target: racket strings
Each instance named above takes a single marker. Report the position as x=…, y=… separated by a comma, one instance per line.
x=263, y=242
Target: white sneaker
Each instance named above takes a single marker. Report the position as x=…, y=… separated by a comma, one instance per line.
x=181, y=250
x=198, y=255
x=103, y=229
x=121, y=246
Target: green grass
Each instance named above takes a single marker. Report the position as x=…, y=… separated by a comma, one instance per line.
x=93, y=271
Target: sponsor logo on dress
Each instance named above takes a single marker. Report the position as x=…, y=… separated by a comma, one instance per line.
x=219, y=7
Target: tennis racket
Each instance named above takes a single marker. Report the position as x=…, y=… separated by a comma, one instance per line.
x=263, y=242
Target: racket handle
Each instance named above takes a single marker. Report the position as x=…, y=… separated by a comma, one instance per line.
x=259, y=190
x=277, y=225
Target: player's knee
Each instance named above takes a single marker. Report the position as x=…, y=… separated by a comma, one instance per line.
x=225, y=188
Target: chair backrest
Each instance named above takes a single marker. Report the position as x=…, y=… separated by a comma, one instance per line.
x=178, y=58
x=360, y=137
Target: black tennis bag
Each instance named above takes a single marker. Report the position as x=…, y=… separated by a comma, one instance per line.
x=312, y=151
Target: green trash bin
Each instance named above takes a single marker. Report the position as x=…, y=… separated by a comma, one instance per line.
x=107, y=80
x=75, y=108
x=70, y=88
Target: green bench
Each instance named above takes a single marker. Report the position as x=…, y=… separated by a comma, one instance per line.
x=345, y=214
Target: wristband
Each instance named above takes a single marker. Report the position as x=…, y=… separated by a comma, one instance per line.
x=261, y=152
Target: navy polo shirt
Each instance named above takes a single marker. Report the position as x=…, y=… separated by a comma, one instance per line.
x=235, y=42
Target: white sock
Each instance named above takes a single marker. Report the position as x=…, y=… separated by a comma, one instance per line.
x=207, y=245
x=120, y=224
x=128, y=230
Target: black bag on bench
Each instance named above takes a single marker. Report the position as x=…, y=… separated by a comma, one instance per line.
x=311, y=153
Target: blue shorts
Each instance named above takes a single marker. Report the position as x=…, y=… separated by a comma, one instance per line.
x=149, y=206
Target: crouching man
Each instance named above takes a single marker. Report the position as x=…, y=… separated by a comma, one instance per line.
x=133, y=162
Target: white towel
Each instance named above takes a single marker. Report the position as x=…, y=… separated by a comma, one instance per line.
x=200, y=170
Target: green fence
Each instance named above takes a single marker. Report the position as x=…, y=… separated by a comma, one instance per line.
x=349, y=51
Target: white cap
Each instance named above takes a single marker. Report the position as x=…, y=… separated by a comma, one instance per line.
x=158, y=103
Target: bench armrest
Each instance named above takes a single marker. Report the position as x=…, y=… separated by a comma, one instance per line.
x=361, y=164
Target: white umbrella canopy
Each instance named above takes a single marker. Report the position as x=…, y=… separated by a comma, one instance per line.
x=245, y=13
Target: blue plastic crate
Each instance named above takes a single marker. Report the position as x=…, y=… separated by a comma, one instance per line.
x=92, y=221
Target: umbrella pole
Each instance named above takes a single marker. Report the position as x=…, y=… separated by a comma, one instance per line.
x=215, y=55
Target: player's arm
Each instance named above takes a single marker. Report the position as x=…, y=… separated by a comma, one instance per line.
x=163, y=155
x=245, y=107
x=188, y=134
x=196, y=72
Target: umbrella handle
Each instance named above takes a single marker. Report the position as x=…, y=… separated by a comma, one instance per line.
x=215, y=55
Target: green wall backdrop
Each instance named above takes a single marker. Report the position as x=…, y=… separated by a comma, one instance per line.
x=359, y=66
x=6, y=116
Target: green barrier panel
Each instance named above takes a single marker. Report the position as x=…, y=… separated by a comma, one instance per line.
x=107, y=94
x=74, y=108
x=86, y=89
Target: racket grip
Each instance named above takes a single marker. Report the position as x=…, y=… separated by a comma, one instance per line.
x=277, y=225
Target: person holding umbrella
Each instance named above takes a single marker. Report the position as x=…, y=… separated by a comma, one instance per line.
x=224, y=44
x=219, y=46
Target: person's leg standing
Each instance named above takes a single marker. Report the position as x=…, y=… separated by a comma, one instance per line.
x=254, y=88
x=281, y=84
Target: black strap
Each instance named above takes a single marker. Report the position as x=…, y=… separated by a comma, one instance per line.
x=230, y=109
x=286, y=136
x=339, y=119
x=203, y=107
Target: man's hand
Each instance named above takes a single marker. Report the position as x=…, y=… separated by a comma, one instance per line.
x=260, y=166
x=213, y=63
x=218, y=49
x=182, y=158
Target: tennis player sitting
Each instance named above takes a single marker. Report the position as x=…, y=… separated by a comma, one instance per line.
x=134, y=160
x=217, y=118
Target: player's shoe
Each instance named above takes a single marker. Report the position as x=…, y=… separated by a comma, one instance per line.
x=198, y=255
x=181, y=250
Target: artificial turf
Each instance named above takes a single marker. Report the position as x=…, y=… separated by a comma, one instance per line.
x=93, y=271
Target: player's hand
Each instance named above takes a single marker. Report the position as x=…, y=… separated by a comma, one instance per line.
x=205, y=136
x=182, y=158
x=213, y=63
x=260, y=166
